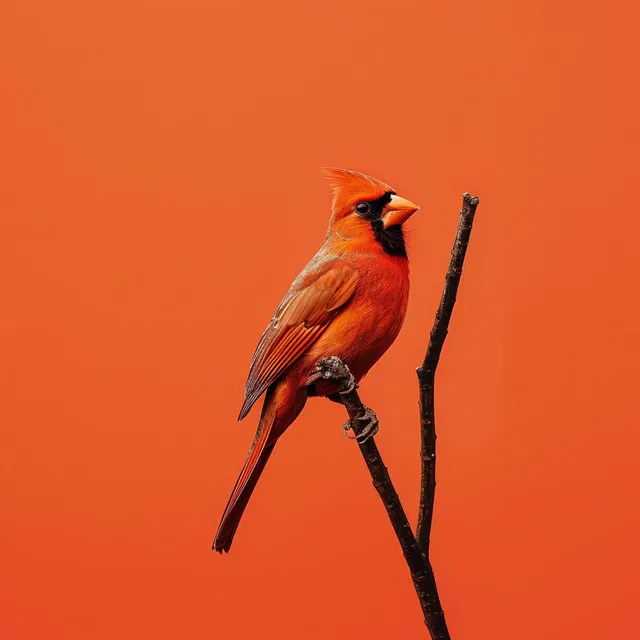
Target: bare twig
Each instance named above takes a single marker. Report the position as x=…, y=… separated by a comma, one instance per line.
x=360, y=416
x=364, y=423
x=427, y=372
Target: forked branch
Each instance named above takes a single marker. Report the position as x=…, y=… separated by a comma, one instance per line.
x=427, y=372
x=360, y=418
x=363, y=421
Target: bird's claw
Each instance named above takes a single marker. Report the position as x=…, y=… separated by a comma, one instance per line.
x=332, y=368
x=313, y=377
x=370, y=427
x=346, y=427
x=351, y=385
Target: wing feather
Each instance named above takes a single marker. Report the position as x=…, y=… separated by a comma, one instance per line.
x=304, y=314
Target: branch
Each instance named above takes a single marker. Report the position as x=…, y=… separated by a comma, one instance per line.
x=364, y=422
x=427, y=372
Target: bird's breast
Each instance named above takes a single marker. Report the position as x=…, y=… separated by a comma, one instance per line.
x=370, y=322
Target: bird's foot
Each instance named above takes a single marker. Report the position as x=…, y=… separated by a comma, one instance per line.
x=332, y=368
x=370, y=427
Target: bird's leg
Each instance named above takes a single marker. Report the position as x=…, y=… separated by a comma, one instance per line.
x=365, y=426
x=332, y=368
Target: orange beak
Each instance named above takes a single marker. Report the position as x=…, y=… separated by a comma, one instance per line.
x=399, y=210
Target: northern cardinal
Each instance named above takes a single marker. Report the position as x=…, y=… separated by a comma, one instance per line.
x=349, y=301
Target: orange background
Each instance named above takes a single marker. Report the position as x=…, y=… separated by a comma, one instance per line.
x=160, y=191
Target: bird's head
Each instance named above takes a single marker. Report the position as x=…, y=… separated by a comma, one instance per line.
x=366, y=210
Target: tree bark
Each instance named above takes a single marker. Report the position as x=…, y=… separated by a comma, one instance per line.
x=427, y=372
x=360, y=418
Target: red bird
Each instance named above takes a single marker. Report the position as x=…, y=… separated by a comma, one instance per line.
x=349, y=301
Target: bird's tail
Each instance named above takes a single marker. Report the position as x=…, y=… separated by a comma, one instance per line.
x=251, y=471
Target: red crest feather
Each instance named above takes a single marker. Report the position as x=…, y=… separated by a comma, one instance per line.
x=349, y=187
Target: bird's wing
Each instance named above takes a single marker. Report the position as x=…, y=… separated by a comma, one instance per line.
x=301, y=318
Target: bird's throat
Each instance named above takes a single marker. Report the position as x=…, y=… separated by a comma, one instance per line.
x=391, y=239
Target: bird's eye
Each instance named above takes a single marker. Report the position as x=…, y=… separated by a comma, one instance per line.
x=363, y=208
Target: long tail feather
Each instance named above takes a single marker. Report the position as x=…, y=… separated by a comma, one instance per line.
x=251, y=471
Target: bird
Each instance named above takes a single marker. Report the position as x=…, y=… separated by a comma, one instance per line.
x=349, y=301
